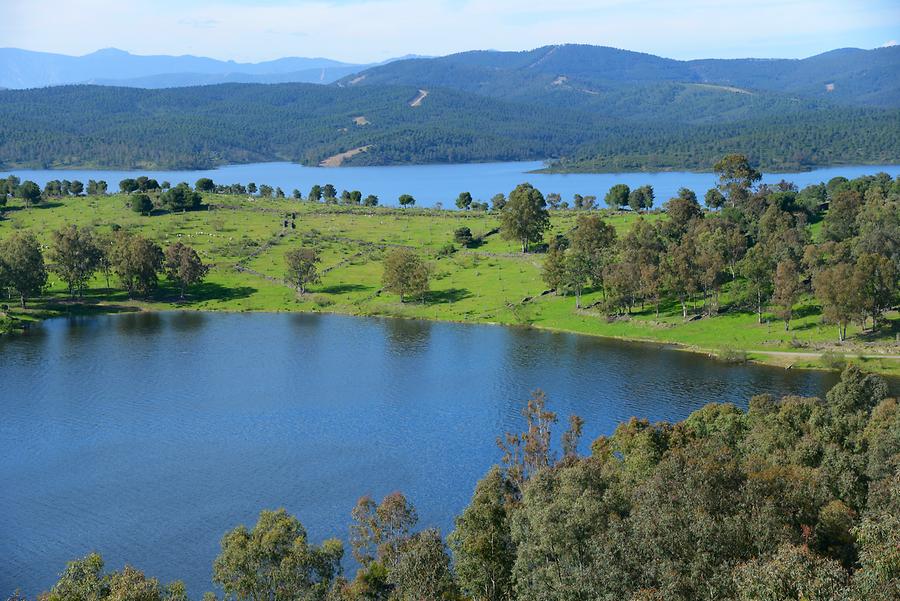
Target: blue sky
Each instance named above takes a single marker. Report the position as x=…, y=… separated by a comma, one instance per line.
x=372, y=30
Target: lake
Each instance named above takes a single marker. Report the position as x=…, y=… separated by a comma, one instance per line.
x=146, y=436
x=442, y=183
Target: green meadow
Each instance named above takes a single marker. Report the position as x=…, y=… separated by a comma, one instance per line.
x=245, y=241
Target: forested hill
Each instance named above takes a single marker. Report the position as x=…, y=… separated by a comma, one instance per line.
x=199, y=127
x=203, y=126
x=581, y=74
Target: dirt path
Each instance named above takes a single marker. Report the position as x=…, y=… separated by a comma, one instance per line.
x=337, y=159
x=418, y=100
x=808, y=355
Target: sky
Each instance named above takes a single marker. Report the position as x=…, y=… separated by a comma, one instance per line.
x=362, y=31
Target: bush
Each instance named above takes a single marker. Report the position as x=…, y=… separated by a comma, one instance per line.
x=833, y=360
x=730, y=355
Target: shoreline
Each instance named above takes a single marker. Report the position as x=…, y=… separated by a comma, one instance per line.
x=767, y=358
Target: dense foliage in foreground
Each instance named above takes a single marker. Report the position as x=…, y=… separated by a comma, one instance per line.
x=797, y=498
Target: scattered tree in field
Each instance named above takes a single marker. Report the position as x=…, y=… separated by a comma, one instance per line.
x=840, y=300
x=267, y=191
x=29, y=192
x=641, y=199
x=875, y=279
x=370, y=201
x=128, y=185
x=498, y=201
x=553, y=270
x=787, y=290
x=141, y=204
x=301, y=267
x=251, y=188
x=463, y=236
x=295, y=194
x=205, y=184
x=76, y=188
x=315, y=193
x=22, y=265
x=275, y=561
x=524, y=217
x=136, y=261
x=464, y=200
x=406, y=200
x=183, y=266
x=617, y=197
x=75, y=257
x=329, y=191
x=181, y=198
x=405, y=273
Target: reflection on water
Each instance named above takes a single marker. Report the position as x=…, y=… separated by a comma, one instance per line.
x=145, y=436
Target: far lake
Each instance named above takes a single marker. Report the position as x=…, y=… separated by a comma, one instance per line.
x=146, y=436
x=442, y=183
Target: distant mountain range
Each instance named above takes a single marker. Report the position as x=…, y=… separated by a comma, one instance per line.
x=27, y=69
x=586, y=107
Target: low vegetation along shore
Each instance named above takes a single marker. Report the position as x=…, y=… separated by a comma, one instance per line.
x=802, y=278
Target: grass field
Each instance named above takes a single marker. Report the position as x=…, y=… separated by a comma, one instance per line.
x=245, y=243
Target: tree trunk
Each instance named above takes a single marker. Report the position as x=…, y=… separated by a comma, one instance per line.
x=683, y=310
x=758, y=305
x=578, y=300
x=23, y=301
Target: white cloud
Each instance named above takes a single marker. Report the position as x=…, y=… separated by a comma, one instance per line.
x=366, y=30
x=889, y=43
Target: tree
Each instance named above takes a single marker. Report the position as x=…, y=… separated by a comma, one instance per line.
x=840, y=221
x=758, y=267
x=181, y=198
x=592, y=241
x=787, y=290
x=141, y=204
x=529, y=452
x=136, y=261
x=463, y=201
x=641, y=198
x=679, y=271
x=329, y=191
x=498, y=201
x=29, y=192
x=792, y=573
x=482, y=543
x=22, y=265
x=405, y=273
x=422, y=569
x=406, y=200
x=463, y=236
x=553, y=270
x=875, y=278
x=736, y=177
x=378, y=530
x=75, y=256
x=251, y=188
x=578, y=272
x=128, y=185
x=275, y=561
x=184, y=266
x=295, y=194
x=840, y=301
x=682, y=210
x=617, y=197
x=714, y=199
x=370, y=201
x=355, y=197
x=267, y=191
x=525, y=216
x=301, y=267
x=205, y=184
x=76, y=188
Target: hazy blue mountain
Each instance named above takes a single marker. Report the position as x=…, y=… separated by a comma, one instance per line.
x=323, y=75
x=27, y=69
x=584, y=75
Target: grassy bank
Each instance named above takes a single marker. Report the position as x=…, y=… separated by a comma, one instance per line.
x=245, y=242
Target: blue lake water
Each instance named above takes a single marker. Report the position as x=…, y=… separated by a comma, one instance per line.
x=430, y=184
x=146, y=436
